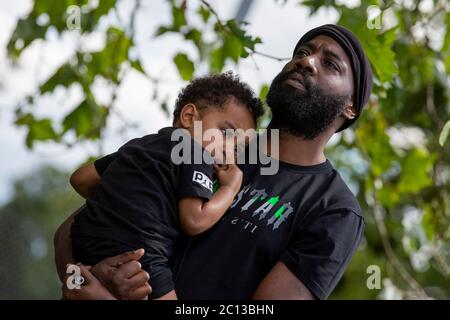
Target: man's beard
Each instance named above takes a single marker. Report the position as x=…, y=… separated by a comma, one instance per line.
x=302, y=113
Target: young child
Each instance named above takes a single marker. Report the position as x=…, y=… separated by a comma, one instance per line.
x=138, y=197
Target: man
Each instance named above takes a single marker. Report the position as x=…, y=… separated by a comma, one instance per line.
x=289, y=235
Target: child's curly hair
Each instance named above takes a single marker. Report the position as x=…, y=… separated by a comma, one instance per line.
x=215, y=90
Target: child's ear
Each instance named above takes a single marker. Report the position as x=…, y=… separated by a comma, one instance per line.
x=189, y=113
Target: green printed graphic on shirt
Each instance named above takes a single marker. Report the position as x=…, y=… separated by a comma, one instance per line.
x=264, y=206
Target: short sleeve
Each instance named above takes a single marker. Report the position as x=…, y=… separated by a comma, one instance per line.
x=196, y=181
x=102, y=163
x=320, y=251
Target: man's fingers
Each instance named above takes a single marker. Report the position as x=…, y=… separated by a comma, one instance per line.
x=138, y=280
x=140, y=293
x=125, y=257
x=86, y=274
x=127, y=270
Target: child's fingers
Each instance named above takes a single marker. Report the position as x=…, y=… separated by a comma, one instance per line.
x=219, y=167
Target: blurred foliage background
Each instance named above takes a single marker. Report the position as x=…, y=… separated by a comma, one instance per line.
x=396, y=158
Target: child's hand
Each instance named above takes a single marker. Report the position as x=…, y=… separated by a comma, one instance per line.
x=229, y=175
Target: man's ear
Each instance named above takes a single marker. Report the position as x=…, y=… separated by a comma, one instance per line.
x=189, y=113
x=350, y=111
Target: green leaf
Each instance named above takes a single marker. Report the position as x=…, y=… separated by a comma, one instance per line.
x=428, y=222
x=217, y=59
x=204, y=13
x=162, y=30
x=263, y=91
x=378, y=47
x=388, y=196
x=446, y=45
x=107, y=62
x=245, y=40
x=136, y=64
x=447, y=63
x=373, y=140
x=235, y=28
x=86, y=120
x=195, y=36
x=178, y=17
x=416, y=171
x=444, y=133
x=64, y=76
x=104, y=6
x=184, y=65
x=315, y=5
x=232, y=48
x=26, y=31
x=41, y=129
x=178, y=20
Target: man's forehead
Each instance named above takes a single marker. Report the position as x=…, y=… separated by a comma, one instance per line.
x=326, y=42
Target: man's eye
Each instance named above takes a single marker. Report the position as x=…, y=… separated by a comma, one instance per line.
x=332, y=65
x=302, y=53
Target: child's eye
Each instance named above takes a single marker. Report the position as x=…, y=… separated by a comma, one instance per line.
x=228, y=133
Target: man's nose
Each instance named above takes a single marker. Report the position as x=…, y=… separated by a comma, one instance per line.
x=307, y=64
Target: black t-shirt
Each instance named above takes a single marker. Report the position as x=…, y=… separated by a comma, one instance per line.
x=304, y=216
x=136, y=203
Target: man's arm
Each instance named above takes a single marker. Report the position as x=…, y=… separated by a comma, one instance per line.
x=63, y=246
x=122, y=272
x=281, y=284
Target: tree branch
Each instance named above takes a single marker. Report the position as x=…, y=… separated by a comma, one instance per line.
x=227, y=30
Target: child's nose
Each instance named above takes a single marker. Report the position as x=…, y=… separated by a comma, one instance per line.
x=229, y=153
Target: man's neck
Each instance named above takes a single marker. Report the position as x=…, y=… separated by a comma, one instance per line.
x=300, y=151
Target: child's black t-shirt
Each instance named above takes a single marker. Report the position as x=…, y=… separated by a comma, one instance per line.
x=136, y=204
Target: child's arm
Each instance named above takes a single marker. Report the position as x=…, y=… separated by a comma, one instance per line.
x=197, y=215
x=85, y=180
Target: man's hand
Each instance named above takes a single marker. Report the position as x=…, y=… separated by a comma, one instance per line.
x=123, y=276
x=91, y=289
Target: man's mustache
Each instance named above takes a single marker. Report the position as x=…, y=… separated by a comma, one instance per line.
x=305, y=77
